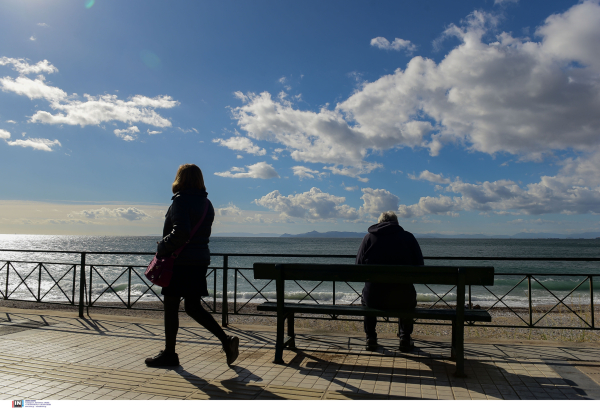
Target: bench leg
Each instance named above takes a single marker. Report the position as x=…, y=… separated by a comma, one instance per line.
x=291, y=342
x=459, y=347
x=453, y=342
x=279, y=340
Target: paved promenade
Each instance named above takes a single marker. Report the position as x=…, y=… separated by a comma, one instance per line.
x=47, y=355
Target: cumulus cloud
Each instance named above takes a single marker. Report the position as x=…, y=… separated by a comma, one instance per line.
x=312, y=205
x=25, y=68
x=377, y=201
x=304, y=172
x=130, y=214
x=510, y=94
x=36, y=144
x=261, y=170
x=153, y=132
x=229, y=211
x=33, y=88
x=397, y=45
x=106, y=108
x=127, y=134
x=72, y=110
x=241, y=143
x=4, y=134
x=429, y=176
x=574, y=190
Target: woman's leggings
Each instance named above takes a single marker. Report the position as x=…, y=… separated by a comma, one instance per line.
x=194, y=309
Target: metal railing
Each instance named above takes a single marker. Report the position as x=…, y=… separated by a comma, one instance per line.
x=61, y=277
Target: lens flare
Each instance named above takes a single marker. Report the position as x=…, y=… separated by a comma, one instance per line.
x=89, y=3
x=150, y=59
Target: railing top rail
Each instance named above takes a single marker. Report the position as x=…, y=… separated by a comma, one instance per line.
x=445, y=258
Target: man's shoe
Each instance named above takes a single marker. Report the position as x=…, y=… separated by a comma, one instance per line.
x=163, y=359
x=231, y=348
x=406, y=345
x=371, y=345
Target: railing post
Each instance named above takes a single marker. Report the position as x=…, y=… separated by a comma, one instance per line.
x=235, y=285
x=74, y=282
x=333, y=287
x=7, y=273
x=82, y=285
x=530, y=301
x=470, y=302
x=129, y=290
x=224, y=304
x=592, y=300
x=39, y=283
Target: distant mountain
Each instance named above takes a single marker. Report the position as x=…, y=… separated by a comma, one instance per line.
x=246, y=235
x=329, y=234
x=347, y=234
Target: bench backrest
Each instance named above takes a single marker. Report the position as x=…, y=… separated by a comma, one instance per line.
x=473, y=275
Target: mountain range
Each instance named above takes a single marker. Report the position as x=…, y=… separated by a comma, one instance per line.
x=346, y=234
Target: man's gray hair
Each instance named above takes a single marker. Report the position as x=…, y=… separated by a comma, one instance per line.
x=387, y=217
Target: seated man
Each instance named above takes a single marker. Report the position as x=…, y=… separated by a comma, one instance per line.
x=388, y=244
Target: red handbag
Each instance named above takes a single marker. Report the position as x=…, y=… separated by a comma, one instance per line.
x=160, y=270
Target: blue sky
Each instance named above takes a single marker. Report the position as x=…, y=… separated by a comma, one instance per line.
x=463, y=117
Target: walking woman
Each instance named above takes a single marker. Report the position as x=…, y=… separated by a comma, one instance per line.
x=189, y=273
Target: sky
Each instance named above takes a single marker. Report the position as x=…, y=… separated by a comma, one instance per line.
x=477, y=116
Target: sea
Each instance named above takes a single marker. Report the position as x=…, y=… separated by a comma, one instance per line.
x=108, y=274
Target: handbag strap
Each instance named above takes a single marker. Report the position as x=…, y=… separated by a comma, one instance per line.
x=178, y=251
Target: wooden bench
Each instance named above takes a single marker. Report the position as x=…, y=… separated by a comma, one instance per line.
x=430, y=275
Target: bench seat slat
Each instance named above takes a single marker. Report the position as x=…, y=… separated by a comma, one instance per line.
x=437, y=314
x=474, y=275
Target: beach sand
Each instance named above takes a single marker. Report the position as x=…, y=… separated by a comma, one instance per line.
x=559, y=317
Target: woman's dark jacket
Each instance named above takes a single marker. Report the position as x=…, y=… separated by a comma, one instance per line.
x=183, y=215
x=388, y=244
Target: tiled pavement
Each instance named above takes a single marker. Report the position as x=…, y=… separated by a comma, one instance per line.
x=53, y=355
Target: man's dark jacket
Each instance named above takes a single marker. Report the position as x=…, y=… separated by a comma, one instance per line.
x=182, y=217
x=388, y=244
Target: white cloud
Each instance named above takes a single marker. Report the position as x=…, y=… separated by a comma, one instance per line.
x=33, y=88
x=106, y=108
x=505, y=1
x=11, y=121
x=153, y=132
x=242, y=144
x=239, y=156
x=37, y=144
x=430, y=205
x=32, y=38
x=261, y=170
x=510, y=95
x=574, y=190
x=93, y=111
x=25, y=68
x=188, y=130
x=350, y=188
x=397, y=45
x=429, y=176
x=229, y=211
x=43, y=25
x=128, y=134
x=130, y=214
x=377, y=201
x=312, y=205
x=4, y=134
x=304, y=172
